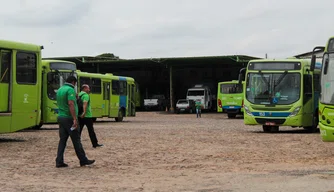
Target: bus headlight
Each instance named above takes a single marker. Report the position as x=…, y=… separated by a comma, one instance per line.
x=247, y=111
x=295, y=112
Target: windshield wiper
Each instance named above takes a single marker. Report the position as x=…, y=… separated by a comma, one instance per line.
x=280, y=79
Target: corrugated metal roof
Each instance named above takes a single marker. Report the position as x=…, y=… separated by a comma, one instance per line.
x=89, y=59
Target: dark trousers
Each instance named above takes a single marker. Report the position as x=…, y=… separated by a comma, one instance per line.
x=89, y=124
x=65, y=125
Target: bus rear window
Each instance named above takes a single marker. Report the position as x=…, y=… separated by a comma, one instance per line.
x=230, y=88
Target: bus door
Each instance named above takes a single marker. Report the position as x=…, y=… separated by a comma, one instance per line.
x=5, y=73
x=106, y=97
x=133, y=100
x=5, y=90
x=308, y=106
x=129, y=96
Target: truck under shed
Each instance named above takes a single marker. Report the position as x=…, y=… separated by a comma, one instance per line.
x=168, y=76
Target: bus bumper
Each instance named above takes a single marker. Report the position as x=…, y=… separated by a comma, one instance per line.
x=288, y=121
x=326, y=132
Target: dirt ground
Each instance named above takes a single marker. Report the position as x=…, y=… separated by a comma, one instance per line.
x=169, y=152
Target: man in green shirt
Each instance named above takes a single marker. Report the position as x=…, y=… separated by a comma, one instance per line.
x=67, y=120
x=86, y=117
x=198, y=108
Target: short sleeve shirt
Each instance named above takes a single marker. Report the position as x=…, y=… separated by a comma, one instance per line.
x=64, y=94
x=85, y=98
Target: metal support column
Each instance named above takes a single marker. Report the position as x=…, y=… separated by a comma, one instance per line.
x=171, y=89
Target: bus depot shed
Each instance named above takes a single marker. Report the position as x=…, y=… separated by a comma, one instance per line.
x=171, y=77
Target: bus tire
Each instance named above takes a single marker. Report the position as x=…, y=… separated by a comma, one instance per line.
x=231, y=115
x=37, y=127
x=120, y=116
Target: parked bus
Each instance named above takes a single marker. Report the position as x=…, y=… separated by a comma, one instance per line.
x=326, y=101
x=54, y=75
x=111, y=96
x=281, y=93
x=20, y=85
x=230, y=98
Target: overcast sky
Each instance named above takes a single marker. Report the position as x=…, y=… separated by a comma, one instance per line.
x=173, y=28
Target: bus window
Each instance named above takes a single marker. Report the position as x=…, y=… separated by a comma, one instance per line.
x=96, y=86
x=123, y=88
x=5, y=67
x=84, y=80
x=26, y=68
x=115, y=87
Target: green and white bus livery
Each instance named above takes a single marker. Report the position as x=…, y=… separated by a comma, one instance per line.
x=281, y=93
x=230, y=98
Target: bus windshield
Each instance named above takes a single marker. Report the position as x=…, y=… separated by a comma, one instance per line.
x=327, y=80
x=273, y=88
x=55, y=81
x=230, y=88
x=195, y=92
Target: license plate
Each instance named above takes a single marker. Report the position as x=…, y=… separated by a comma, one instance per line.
x=231, y=107
x=270, y=123
x=182, y=109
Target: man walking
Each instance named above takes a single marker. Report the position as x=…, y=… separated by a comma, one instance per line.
x=198, y=108
x=67, y=120
x=86, y=117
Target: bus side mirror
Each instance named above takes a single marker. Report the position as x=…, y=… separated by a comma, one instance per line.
x=241, y=76
x=312, y=63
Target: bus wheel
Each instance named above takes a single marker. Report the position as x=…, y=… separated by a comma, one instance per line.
x=231, y=115
x=37, y=127
x=120, y=116
x=270, y=129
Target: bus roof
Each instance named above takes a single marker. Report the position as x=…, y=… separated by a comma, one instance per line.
x=280, y=60
x=230, y=82
x=20, y=46
x=48, y=61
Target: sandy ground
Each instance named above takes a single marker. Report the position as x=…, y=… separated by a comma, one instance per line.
x=167, y=152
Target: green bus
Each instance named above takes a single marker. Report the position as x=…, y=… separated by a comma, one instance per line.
x=281, y=93
x=326, y=101
x=54, y=75
x=20, y=87
x=103, y=101
x=230, y=98
x=111, y=96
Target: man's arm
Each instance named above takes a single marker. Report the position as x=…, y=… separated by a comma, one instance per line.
x=85, y=99
x=71, y=98
x=72, y=109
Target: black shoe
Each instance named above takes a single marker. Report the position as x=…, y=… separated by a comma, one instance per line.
x=61, y=165
x=88, y=162
x=98, y=145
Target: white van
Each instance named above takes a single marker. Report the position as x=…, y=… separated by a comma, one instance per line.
x=202, y=93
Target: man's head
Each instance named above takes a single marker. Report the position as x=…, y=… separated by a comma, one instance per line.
x=72, y=80
x=85, y=88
